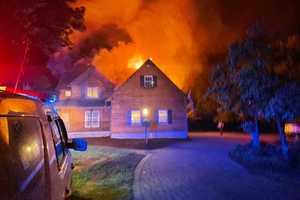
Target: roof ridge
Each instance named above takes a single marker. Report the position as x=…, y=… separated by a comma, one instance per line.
x=149, y=61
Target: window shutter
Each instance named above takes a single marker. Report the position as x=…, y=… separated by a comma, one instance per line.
x=129, y=118
x=142, y=81
x=170, y=117
x=156, y=115
x=155, y=81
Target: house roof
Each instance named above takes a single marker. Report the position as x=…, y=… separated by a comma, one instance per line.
x=146, y=64
x=75, y=78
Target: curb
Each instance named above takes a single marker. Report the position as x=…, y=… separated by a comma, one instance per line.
x=137, y=195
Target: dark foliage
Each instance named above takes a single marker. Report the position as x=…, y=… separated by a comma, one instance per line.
x=267, y=159
x=39, y=28
x=260, y=80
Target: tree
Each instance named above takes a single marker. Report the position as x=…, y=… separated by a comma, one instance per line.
x=32, y=30
x=284, y=106
x=244, y=85
x=261, y=79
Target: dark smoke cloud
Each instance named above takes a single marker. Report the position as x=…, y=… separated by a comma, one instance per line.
x=76, y=59
x=106, y=37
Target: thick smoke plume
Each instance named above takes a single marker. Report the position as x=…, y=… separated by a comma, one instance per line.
x=184, y=37
x=75, y=60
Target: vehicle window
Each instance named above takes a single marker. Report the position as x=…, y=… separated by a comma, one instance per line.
x=63, y=130
x=22, y=156
x=58, y=143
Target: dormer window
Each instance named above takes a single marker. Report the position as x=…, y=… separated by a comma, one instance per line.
x=92, y=92
x=148, y=81
x=68, y=93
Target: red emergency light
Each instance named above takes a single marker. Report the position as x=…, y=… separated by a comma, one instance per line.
x=28, y=93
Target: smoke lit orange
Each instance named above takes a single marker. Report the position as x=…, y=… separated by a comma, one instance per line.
x=161, y=30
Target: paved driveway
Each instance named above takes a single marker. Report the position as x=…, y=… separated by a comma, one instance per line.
x=201, y=169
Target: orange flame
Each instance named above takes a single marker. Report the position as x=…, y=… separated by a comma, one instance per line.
x=135, y=62
x=167, y=31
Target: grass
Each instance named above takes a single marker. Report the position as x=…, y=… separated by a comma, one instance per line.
x=104, y=173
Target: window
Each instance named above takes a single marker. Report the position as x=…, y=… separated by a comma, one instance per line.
x=135, y=117
x=58, y=143
x=162, y=116
x=68, y=93
x=92, y=92
x=148, y=81
x=92, y=119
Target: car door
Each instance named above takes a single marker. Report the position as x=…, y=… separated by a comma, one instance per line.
x=64, y=161
x=25, y=163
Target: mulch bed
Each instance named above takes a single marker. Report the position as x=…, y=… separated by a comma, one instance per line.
x=134, y=143
x=268, y=161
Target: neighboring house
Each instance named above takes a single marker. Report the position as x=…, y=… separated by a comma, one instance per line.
x=83, y=105
x=148, y=94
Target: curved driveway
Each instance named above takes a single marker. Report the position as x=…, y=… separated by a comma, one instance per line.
x=201, y=169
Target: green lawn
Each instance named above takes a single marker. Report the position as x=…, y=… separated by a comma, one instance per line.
x=104, y=173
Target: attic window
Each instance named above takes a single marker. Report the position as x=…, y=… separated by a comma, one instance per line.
x=92, y=92
x=68, y=93
x=148, y=81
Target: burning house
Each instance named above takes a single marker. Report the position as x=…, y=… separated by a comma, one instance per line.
x=148, y=94
x=91, y=107
x=83, y=103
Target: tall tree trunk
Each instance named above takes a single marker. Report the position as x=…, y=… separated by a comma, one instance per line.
x=255, y=135
x=283, y=141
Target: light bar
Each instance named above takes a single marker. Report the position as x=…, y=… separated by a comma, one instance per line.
x=27, y=93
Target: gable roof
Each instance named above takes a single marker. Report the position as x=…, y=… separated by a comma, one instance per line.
x=148, y=63
x=70, y=78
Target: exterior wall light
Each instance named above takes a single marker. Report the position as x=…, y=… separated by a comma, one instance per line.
x=145, y=112
x=146, y=123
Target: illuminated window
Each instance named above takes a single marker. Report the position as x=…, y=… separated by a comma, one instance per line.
x=135, y=117
x=148, y=81
x=162, y=116
x=92, y=119
x=92, y=92
x=68, y=93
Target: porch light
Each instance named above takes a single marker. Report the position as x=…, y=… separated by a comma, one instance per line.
x=145, y=112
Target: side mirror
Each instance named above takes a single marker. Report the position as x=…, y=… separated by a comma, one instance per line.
x=78, y=144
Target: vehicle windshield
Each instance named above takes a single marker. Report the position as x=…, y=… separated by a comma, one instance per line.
x=21, y=148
